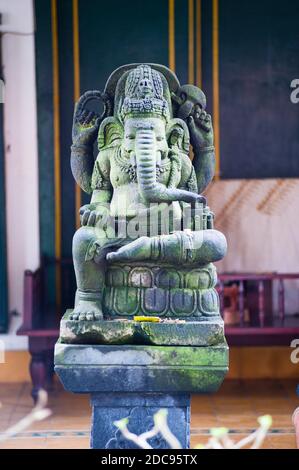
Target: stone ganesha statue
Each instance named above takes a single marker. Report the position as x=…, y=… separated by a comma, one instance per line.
x=143, y=172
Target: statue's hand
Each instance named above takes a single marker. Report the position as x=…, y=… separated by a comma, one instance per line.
x=200, y=128
x=92, y=214
x=86, y=123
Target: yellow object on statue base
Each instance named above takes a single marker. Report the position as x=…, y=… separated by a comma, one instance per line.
x=143, y=318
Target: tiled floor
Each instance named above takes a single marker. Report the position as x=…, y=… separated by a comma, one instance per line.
x=236, y=406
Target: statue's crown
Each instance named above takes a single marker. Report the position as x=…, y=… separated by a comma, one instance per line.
x=144, y=94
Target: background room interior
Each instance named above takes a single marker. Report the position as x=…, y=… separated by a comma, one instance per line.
x=245, y=57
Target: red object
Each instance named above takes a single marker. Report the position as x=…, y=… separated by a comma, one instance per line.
x=255, y=295
x=41, y=321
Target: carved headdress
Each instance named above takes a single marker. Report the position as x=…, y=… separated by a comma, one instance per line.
x=144, y=95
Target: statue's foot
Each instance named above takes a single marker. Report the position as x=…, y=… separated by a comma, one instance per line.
x=87, y=310
x=137, y=250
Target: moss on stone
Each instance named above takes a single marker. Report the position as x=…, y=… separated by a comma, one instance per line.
x=117, y=331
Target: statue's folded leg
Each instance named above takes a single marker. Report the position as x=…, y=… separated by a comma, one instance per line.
x=201, y=247
x=89, y=275
x=90, y=246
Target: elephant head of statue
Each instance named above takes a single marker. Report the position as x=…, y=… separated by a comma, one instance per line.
x=149, y=116
x=144, y=129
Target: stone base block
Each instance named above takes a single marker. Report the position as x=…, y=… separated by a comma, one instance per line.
x=127, y=331
x=168, y=369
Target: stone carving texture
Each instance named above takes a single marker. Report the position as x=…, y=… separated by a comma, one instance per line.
x=140, y=420
x=164, y=291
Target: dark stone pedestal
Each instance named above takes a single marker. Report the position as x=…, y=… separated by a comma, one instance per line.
x=139, y=408
x=135, y=381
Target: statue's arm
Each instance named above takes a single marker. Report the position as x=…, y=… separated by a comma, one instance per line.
x=202, y=139
x=85, y=129
x=102, y=192
x=204, y=167
x=82, y=162
x=191, y=104
x=188, y=177
x=101, y=196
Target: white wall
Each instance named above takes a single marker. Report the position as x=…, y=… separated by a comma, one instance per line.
x=20, y=133
x=259, y=219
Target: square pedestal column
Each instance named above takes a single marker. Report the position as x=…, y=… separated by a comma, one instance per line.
x=135, y=381
x=139, y=409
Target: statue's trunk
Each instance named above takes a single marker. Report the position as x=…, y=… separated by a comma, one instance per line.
x=146, y=158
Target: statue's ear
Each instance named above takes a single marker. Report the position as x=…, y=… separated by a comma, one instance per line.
x=177, y=133
x=110, y=133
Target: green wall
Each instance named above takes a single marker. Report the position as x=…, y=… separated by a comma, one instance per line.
x=258, y=58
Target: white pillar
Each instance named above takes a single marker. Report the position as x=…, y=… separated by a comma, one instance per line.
x=20, y=135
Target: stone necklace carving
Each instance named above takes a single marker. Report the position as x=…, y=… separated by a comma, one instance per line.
x=129, y=166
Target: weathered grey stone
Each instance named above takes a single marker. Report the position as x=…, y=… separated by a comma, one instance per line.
x=140, y=410
x=137, y=252
x=116, y=331
x=95, y=368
